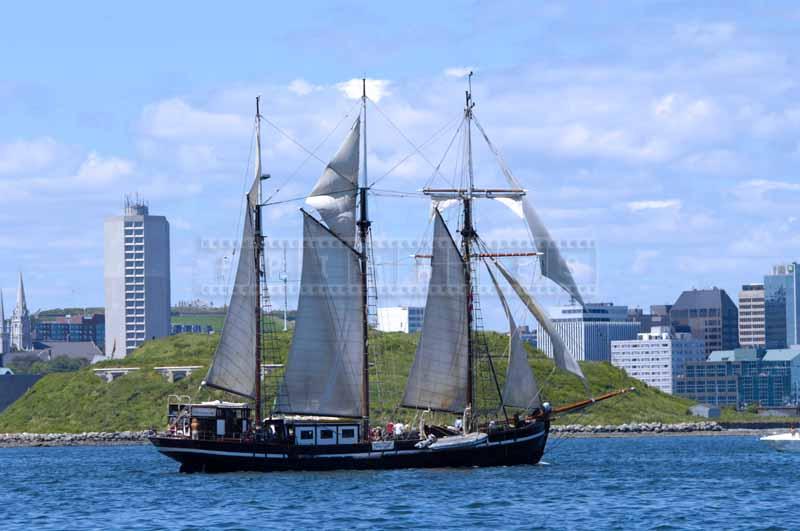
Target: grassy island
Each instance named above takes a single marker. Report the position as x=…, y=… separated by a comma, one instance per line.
x=81, y=401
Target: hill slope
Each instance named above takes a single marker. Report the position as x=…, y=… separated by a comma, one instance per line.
x=80, y=401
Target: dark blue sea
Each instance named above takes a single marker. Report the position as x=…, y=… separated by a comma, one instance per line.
x=631, y=483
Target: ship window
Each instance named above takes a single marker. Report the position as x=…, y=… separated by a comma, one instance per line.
x=326, y=434
x=348, y=433
x=306, y=435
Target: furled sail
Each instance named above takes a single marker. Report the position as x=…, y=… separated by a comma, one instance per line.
x=334, y=195
x=233, y=367
x=326, y=357
x=520, y=389
x=552, y=264
x=564, y=360
x=438, y=378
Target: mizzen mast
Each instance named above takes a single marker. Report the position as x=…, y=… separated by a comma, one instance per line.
x=469, y=237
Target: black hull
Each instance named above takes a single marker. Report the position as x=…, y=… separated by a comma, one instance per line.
x=520, y=446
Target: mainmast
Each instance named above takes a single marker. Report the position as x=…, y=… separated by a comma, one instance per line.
x=259, y=249
x=363, y=232
x=468, y=233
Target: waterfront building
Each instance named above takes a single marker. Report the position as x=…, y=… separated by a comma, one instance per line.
x=137, y=279
x=782, y=306
x=710, y=315
x=406, y=319
x=21, y=338
x=743, y=377
x=589, y=330
x=72, y=328
x=657, y=357
x=4, y=339
x=752, y=323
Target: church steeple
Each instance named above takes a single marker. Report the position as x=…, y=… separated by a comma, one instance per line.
x=21, y=322
x=21, y=306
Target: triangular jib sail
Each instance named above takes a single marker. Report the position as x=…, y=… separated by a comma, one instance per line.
x=438, y=378
x=325, y=363
x=234, y=364
x=520, y=389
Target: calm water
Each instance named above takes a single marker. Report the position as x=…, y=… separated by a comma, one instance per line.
x=665, y=483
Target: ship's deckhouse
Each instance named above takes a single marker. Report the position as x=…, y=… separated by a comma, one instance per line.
x=325, y=434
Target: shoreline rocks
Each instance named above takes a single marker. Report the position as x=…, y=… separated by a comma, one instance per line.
x=9, y=440
x=637, y=427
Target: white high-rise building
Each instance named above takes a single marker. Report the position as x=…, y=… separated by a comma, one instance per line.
x=659, y=357
x=137, y=279
x=752, y=316
x=21, y=338
x=589, y=330
x=406, y=319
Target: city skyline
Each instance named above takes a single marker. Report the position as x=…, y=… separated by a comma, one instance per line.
x=698, y=195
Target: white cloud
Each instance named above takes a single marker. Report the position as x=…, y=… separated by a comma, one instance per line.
x=766, y=196
x=99, y=171
x=643, y=259
x=301, y=87
x=655, y=204
x=376, y=88
x=197, y=157
x=714, y=162
x=28, y=156
x=176, y=119
x=458, y=71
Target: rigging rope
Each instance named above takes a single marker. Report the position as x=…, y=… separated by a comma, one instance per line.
x=417, y=150
x=397, y=129
x=311, y=154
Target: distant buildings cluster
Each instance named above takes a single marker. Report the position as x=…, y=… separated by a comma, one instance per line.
x=702, y=346
x=751, y=353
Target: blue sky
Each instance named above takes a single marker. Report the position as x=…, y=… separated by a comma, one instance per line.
x=664, y=133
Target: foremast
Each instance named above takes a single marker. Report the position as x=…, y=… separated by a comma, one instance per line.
x=258, y=243
x=467, y=235
x=363, y=235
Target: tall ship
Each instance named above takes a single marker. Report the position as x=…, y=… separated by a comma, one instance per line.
x=464, y=411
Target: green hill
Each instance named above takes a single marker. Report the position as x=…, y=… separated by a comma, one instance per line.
x=80, y=401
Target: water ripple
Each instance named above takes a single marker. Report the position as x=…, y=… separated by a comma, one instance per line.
x=637, y=483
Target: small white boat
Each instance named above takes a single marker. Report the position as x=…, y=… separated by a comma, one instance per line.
x=784, y=442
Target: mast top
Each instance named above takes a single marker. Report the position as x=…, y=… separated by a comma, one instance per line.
x=469, y=103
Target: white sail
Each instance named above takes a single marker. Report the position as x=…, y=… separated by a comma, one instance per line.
x=233, y=367
x=552, y=264
x=520, y=389
x=564, y=360
x=438, y=378
x=334, y=195
x=326, y=357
